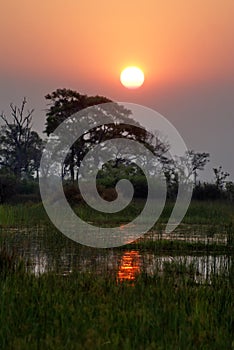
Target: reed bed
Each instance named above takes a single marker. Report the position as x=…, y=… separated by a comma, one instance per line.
x=86, y=311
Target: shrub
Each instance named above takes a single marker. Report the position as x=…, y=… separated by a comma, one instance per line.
x=8, y=186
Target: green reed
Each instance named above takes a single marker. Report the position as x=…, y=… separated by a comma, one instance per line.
x=210, y=213
x=83, y=311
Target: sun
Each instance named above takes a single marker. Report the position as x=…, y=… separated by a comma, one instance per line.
x=132, y=77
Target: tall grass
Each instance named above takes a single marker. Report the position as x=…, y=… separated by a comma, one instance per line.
x=83, y=311
x=91, y=311
x=22, y=215
x=10, y=262
x=210, y=222
x=210, y=213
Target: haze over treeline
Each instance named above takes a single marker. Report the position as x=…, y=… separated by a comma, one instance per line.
x=21, y=150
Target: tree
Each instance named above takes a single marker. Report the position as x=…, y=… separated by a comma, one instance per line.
x=64, y=103
x=193, y=161
x=20, y=147
x=198, y=161
x=220, y=177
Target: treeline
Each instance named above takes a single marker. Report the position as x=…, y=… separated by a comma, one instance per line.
x=14, y=190
x=21, y=149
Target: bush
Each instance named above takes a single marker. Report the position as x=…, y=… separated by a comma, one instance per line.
x=109, y=194
x=72, y=192
x=14, y=190
x=8, y=186
x=28, y=186
x=30, y=198
x=207, y=191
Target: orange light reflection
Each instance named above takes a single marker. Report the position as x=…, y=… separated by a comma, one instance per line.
x=129, y=266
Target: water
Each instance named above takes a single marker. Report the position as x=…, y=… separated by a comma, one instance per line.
x=46, y=250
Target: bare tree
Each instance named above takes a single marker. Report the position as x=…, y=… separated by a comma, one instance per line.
x=20, y=147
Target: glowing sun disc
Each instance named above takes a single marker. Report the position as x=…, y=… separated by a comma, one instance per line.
x=132, y=77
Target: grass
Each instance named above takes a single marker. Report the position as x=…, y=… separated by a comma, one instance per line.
x=199, y=213
x=203, y=218
x=82, y=311
x=210, y=213
x=169, y=246
x=22, y=215
x=168, y=310
x=10, y=262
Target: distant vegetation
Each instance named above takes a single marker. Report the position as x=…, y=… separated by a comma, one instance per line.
x=21, y=149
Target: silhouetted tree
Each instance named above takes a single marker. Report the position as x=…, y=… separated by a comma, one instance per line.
x=220, y=177
x=20, y=147
x=191, y=162
x=198, y=161
x=64, y=102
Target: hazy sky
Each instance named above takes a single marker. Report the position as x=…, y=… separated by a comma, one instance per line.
x=184, y=47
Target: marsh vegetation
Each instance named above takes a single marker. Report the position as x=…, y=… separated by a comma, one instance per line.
x=157, y=293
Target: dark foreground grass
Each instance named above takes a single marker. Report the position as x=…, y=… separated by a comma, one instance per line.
x=83, y=311
x=90, y=311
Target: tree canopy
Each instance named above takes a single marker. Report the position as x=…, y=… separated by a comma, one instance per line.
x=63, y=103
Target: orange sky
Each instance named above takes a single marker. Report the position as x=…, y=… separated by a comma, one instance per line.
x=185, y=48
x=94, y=40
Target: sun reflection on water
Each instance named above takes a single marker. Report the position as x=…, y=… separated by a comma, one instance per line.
x=129, y=266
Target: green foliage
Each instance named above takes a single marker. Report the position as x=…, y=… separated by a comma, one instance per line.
x=14, y=190
x=208, y=214
x=10, y=262
x=207, y=191
x=23, y=215
x=230, y=191
x=86, y=311
x=167, y=310
x=111, y=173
x=8, y=186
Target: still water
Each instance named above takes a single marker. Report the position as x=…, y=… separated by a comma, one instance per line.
x=47, y=250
